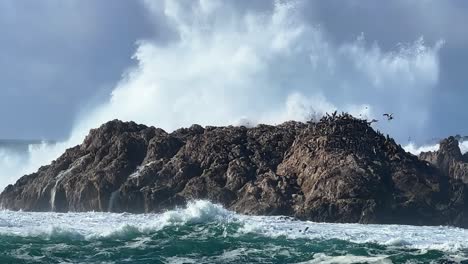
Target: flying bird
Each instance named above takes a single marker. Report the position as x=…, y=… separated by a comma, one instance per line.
x=372, y=121
x=389, y=116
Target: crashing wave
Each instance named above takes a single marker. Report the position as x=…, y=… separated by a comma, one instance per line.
x=416, y=150
x=94, y=225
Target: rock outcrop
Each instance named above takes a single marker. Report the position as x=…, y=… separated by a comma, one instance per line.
x=336, y=170
x=449, y=159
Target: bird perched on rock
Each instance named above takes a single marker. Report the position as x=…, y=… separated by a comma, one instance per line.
x=389, y=116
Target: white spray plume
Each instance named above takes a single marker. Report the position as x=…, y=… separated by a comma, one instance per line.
x=464, y=147
x=228, y=66
x=416, y=150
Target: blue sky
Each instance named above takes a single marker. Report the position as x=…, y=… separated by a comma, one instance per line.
x=59, y=60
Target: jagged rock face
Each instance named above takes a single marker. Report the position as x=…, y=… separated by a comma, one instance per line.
x=347, y=172
x=336, y=170
x=449, y=159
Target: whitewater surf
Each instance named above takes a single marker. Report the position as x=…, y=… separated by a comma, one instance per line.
x=204, y=232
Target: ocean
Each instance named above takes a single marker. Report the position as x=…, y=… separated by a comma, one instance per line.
x=204, y=232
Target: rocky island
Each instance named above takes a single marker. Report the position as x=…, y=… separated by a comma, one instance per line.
x=338, y=169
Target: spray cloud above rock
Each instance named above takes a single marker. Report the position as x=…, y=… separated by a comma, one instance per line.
x=227, y=65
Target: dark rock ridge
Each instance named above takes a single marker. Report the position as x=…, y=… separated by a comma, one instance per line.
x=449, y=159
x=336, y=170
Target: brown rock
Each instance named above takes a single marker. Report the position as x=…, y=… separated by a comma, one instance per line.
x=449, y=159
x=336, y=170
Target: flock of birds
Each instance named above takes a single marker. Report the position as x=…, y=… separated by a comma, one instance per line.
x=388, y=116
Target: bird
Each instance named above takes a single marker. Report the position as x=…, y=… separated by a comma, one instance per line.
x=372, y=121
x=389, y=116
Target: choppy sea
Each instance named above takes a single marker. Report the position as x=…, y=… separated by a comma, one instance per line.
x=204, y=232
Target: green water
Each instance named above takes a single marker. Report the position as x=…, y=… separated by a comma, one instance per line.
x=204, y=243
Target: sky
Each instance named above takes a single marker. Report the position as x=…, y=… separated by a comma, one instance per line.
x=68, y=66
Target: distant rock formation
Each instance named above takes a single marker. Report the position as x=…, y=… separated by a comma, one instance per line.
x=336, y=170
x=449, y=159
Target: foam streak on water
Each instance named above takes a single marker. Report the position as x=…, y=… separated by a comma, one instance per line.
x=207, y=233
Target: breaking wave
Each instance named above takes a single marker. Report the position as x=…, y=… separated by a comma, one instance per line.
x=204, y=231
x=96, y=225
x=15, y=163
x=416, y=150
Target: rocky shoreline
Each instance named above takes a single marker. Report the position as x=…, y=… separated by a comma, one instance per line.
x=338, y=169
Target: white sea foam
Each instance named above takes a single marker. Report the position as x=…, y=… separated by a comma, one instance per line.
x=421, y=237
x=95, y=225
x=347, y=259
x=464, y=146
x=180, y=260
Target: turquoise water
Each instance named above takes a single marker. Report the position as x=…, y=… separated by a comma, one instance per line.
x=206, y=233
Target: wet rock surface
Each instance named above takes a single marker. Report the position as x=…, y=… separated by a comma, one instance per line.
x=336, y=170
